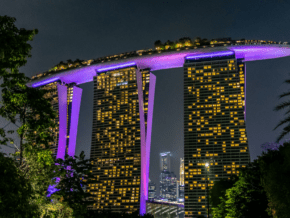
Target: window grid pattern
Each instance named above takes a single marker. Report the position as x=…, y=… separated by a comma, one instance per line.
x=116, y=140
x=52, y=88
x=68, y=114
x=214, y=127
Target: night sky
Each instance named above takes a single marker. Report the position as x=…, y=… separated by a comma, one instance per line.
x=71, y=29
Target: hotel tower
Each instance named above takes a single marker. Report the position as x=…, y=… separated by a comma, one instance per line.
x=120, y=121
x=214, y=125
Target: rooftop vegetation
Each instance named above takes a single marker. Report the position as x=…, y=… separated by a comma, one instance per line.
x=182, y=43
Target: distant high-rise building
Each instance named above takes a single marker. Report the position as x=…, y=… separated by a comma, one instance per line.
x=181, y=171
x=180, y=196
x=151, y=190
x=214, y=124
x=168, y=183
x=165, y=161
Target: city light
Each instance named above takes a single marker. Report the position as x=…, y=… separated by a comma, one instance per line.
x=210, y=55
x=115, y=67
x=44, y=82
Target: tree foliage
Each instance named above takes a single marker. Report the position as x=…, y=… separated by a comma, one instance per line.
x=37, y=169
x=275, y=168
x=14, y=48
x=262, y=189
x=15, y=191
x=286, y=121
x=246, y=198
x=75, y=174
x=31, y=109
x=219, y=190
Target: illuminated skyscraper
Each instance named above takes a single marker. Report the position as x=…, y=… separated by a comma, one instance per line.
x=181, y=171
x=168, y=188
x=117, y=138
x=165, y=161
x=168, y=179
x=214, y=124
x=151, y=190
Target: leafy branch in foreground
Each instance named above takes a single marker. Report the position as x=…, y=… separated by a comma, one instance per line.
x=75, y=176
x=33, y=111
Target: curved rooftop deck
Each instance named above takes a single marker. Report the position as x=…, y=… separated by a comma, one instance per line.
x=160, y=60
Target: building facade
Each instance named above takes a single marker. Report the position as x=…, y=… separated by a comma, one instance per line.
x=214, y=124
x=181, y=171
x=161, y=209
x=168, y=186
x=151, y=191
x=165, y=158
x=119, y=119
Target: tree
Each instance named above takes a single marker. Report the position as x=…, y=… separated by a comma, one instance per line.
x=275, y=168
x=246, y=198
x=158, y=45
x=169, y=44
x=186, y=41
x=14, y=51
x=29, y=107
x=14, y=47
x=15, y=191
x=282, y=106
x=197, y=41
x=220, y=210
x=20, y=102
x=219, y=189
x=75, y=175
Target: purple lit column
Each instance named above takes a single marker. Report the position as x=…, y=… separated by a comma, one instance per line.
x=245, y=91
x=62, y=127
x=143, y=144
x=62, y=116
x=74, y=119
x=152, y=83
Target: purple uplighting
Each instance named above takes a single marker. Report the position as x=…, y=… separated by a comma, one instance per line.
x=143, y=187
x=152, y=83
x=76, y=104
x=163, y=60
x=211, y=55
x=52, y=188
x=62, y=116
x=245, y=88
x=145, y=142
x=115, y=67
x=44, y=82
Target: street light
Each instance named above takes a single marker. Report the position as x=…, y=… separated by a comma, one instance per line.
x=207, y=165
